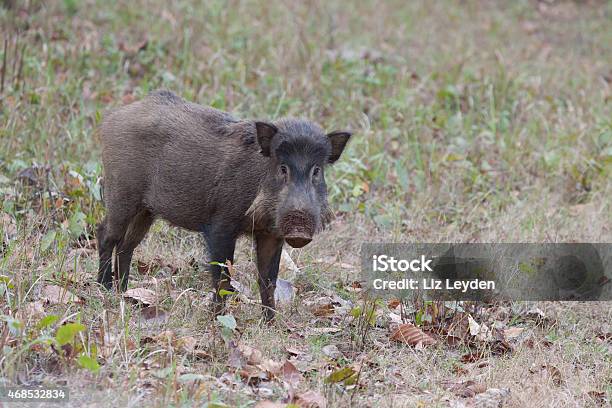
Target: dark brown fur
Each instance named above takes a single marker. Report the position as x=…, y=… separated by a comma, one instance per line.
x=201, y=169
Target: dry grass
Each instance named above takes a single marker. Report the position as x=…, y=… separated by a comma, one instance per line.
x=475, y=121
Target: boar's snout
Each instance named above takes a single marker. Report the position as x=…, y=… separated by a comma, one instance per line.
x=297, y=228
x=297, y=241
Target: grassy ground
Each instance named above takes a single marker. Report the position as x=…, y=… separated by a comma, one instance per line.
x=475, y=121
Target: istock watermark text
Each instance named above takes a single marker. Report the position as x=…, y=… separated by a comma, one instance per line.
x=386, y=263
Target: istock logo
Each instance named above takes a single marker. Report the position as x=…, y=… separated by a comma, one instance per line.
x=385, y=263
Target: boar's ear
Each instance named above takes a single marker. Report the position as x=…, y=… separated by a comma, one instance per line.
x=265, y=133
x=338, y=141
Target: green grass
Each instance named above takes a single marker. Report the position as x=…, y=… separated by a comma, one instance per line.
x=473, y=121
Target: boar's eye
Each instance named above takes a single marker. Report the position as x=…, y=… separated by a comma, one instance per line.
x=316, y=174
x=284, y=172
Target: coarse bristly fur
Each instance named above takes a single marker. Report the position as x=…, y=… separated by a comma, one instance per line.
x=202, y=169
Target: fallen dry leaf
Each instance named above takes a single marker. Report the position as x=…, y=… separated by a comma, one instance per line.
x=8, y=225
x=142, y=295
x=324, y=310
x=155, y=264
x=604, y=336
x=133, y=48
x=480, y=331
x=471, y=357
x=167, y=337
x=310, y=399
x=253, y=375
x=294, y=351
x=33, y=176
x=270, y=404
x=288, y=266
x=355, y=287
x=323, y=330
x=493, y=397
x=143, y=267
x=271, y=367
x=552, y=371
x=284, y=292
x=189, y=345
x=253, y=367
x=598, y=397
x=128, y=98
x=113, y=341
x=252, y=355
x=459, y=369
x=513, y=332
x=395, y=318
x=538, y=316
x=465, y=389
x=499, y=347
x=53, y=294
x=412, y=335
x=301, y=359
x=458, y=330
x=32, y=310
x=153, y=312
x=530, y=27
x=345, y=265
x=291, y=374
x=331, y=351
x=72, y=268
x=393, y=303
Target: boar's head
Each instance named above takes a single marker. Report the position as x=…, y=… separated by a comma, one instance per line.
x=294, y=194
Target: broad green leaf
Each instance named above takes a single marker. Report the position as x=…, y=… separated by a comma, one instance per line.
x=66, y=333
x=77, y=223
x=418, y=319
x=190, y=377
x=8, y=206
x=13, y=324
x=342, y=375
x=89, y=363
x=215, y=405
x=227, y=321
x=7, y=281
x=47, y=321
x=224, y=292
x=163, y=372
x=47, y=240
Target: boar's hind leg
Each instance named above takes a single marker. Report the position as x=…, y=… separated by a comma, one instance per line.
x=105, y=250
x=268, y=258
x=136, y=231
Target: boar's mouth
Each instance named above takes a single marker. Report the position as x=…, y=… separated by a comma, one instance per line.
x=297, y=228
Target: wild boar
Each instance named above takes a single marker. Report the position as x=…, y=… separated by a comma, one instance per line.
x=203, y=170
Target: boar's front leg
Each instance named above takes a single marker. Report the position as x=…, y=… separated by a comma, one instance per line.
x=221, y=246
x=269, y=249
